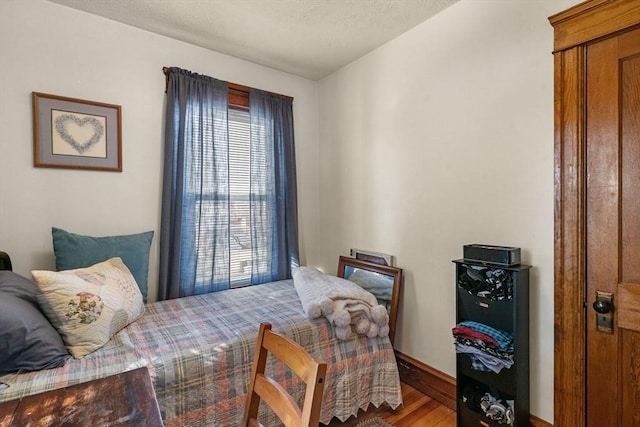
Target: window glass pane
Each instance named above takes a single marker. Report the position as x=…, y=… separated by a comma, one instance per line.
x=231, y=214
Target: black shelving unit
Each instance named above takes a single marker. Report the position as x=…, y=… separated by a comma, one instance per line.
x=510, y=314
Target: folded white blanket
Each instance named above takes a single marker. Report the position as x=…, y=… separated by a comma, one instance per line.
x=347, y=306
x=342, y=289
x=309, y=283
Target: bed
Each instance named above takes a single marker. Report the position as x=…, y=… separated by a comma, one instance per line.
x=199, y=351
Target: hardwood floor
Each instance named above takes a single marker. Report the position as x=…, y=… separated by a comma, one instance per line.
x=419, y=410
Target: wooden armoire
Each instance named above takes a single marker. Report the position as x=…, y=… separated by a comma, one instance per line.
x=597, y=214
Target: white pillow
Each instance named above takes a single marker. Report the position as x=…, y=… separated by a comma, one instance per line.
x=89, y=305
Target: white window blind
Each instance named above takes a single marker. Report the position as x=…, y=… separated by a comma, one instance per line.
x=239, y=190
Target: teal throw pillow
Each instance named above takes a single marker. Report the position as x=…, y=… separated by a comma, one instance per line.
x=77, y=251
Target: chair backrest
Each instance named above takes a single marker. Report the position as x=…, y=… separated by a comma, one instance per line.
x=312, y=373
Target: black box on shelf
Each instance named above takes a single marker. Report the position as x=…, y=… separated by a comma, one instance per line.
x=499, y=255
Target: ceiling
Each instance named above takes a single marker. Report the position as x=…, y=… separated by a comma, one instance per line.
x=308, y=38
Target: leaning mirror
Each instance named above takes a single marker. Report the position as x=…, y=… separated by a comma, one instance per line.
x=382, y=281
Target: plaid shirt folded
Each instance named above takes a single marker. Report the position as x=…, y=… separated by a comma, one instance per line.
x=503, y=338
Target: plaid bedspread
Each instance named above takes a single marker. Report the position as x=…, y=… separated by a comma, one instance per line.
x=199, y=351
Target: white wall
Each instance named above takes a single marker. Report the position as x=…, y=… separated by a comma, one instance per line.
x=45, y=47
x=443, y=137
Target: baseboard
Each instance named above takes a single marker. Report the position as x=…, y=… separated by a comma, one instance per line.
x=537, y=422
x=436, y=384
x=428, y=380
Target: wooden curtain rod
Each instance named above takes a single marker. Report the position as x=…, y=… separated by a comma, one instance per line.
x=233, y=86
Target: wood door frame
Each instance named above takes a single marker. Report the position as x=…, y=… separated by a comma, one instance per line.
x=573, y=30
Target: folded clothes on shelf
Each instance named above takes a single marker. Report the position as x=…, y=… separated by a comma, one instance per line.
x=490, y=283
x=479, y=399
x=490, y=349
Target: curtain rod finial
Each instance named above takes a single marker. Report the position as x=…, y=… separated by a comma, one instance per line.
x=165, y=70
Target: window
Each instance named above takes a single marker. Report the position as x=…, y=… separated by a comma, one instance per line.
x=229, y=213
x=237, y=204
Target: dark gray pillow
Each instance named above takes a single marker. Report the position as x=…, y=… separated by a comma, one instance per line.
x=27, y=339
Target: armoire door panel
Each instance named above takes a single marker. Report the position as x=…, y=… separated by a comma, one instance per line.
x=597, y=374
x=602, y=227
x=613, y=225
x=630, y=371
x=628, y=306
x=630, y=169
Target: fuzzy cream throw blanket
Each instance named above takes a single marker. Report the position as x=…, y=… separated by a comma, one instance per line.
x=348, y=307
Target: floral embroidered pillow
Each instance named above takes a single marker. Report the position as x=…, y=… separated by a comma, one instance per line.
x=89, y=305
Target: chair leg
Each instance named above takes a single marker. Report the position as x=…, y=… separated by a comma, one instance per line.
x=259, y=364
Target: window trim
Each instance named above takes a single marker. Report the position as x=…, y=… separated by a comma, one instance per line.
x=238, y=97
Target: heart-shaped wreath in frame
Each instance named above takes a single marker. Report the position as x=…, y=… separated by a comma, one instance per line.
x=76, y=134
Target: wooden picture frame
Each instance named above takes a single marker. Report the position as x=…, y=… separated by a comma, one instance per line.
x=347, y=266
x=372, y=257
x=75, y=133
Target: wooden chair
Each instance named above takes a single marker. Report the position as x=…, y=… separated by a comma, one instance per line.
x=272, y=393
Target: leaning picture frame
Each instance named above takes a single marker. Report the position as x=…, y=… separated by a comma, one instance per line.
x=383, y=281
x=372, y=257
x=76, y=134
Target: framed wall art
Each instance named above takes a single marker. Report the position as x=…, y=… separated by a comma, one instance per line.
x=76, y=134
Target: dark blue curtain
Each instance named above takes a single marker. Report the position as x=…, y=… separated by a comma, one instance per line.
x=195, y=236
x=273, y=175
x=193, y=261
